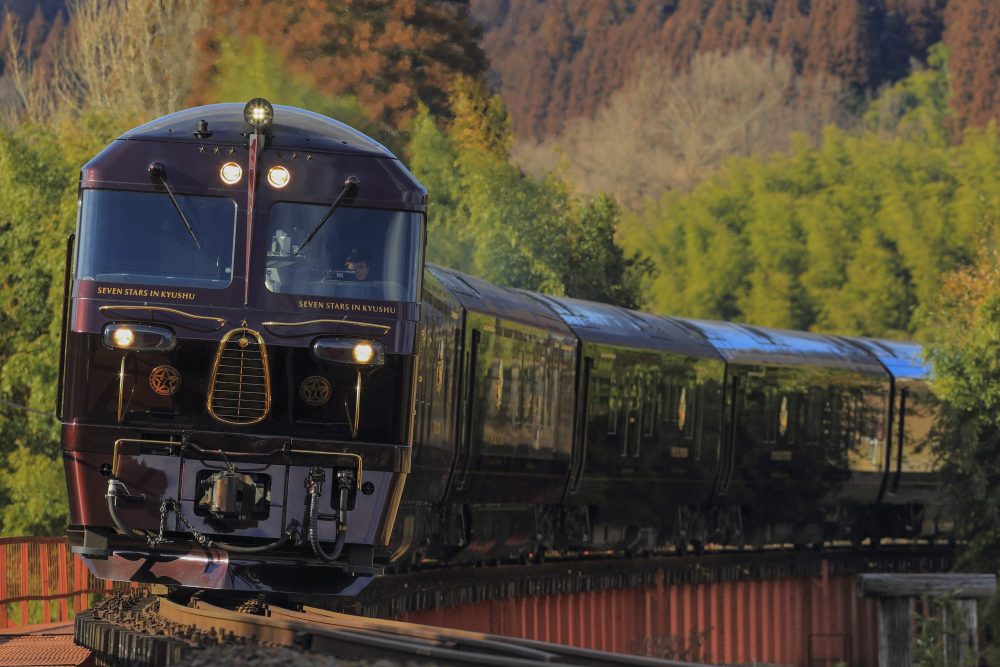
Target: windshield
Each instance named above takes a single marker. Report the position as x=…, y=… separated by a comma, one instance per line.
x=359, y=253
x=139, y=238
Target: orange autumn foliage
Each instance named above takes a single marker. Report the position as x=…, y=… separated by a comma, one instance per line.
x=392, y=56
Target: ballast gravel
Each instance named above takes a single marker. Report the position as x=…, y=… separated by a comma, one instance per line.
x=260, y=656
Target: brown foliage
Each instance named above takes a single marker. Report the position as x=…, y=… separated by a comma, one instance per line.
x=391, y=55
x=973, y=36
x=663, y=132
x=562, y=59
x=131, y=58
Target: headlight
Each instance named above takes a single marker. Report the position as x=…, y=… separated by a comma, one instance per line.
x=139, y=337
x=123, y=337
x=278, y=176
x=350, y=351
x=231, y=173
x=364, y=352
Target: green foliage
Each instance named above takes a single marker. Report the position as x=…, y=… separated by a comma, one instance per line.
x=489, y=219
x=38, y=173
x=850, y=236
x=964, y=350
x=939, y=632
x=963, y=325
x=917, y=106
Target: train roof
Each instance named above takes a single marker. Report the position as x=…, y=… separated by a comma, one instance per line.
x=507, y=304
x=292, y=129
x=904, y=360
x=745, y=344
x=602, y=323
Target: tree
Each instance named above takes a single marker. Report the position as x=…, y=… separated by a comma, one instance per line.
x=963, y=323
x=973, y=35
x=249, y=68
x=850, y=236
x=662, y=132
x=489, y=219
x=131, y=59
x=391, y=56
x=558, y=61
x=38, y=173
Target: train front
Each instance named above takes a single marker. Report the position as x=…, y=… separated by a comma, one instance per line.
x=238, y=351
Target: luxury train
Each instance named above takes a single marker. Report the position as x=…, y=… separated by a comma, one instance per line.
x=263, y=387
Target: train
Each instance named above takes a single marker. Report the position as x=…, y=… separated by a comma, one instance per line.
x=264, y=387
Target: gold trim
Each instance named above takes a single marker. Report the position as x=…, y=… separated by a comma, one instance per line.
x=121, y=390
x=392, y=508
x=118, y=443
x=384, y=327
x=357, y=408
x=163, y=309
x=215, y=370
x=121, y=441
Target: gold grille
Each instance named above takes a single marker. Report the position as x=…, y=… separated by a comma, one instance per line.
x=240, y=387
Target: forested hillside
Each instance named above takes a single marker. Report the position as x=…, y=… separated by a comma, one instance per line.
x=556, y=60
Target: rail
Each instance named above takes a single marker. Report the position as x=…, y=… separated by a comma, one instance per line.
x=42, y=581
x=162, y=632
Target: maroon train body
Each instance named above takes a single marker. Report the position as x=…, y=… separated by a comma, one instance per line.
x=264, y=389
x=223, y=377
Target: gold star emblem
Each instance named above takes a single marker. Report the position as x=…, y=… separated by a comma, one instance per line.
x=315, y=390
x=165, y=380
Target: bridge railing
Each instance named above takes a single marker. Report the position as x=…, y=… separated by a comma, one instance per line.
x=42, y=581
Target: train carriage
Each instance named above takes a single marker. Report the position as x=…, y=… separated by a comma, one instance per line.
x=647, y=446
x=910, y=503
x=239, y=350
x=807, y=417
x=514, y=440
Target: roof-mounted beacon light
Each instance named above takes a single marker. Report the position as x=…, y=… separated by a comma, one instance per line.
x=258, y=114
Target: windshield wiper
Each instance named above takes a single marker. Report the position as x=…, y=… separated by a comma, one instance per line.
x=157, y=170
x=351, y=186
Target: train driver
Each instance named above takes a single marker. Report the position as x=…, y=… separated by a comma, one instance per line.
x=357, y=261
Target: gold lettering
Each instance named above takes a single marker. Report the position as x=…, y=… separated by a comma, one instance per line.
x=146, y=293
x=350, y=307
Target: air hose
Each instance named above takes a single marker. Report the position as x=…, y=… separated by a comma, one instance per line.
x=281, y=541
x=112, y=497
x=314, y=487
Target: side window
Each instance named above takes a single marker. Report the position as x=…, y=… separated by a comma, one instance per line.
x=771, y=416
x=495, y=388
x=651, y=400
x=515, y=410
x=614, y=406
x=692, y=398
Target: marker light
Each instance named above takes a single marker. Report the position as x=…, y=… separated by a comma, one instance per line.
x=278, y=176
x=139, y=337
x=258, y=113
x=364, y=352
x=349, y=351
x=231, y=173
x=123, y=337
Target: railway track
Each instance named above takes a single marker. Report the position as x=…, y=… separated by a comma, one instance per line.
x=135, y=628
x=138, y=628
